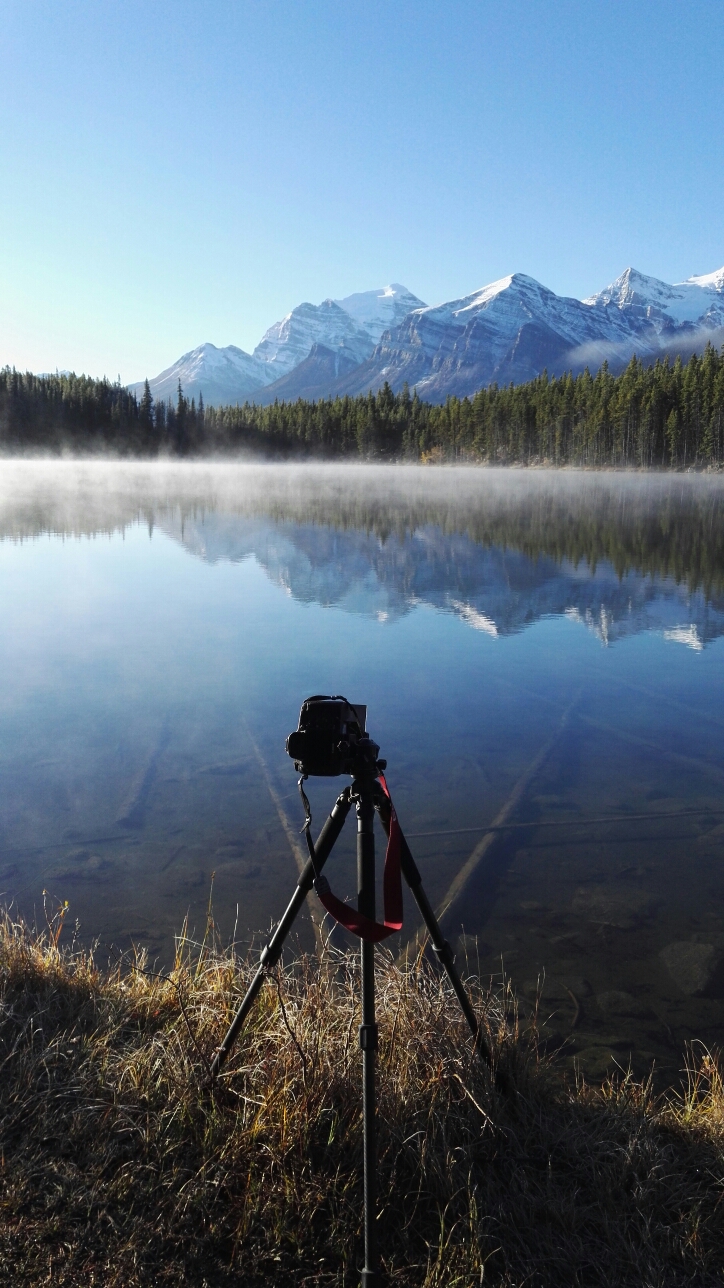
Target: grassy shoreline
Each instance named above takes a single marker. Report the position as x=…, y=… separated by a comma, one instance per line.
x=118, y=1168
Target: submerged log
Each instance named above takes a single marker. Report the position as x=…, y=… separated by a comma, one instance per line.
x=133, y=810
x=292, y=835
x=460, y=882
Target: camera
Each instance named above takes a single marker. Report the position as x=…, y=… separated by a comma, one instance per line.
x=331, y=738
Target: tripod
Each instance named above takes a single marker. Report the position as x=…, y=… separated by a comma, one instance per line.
x=367, y=795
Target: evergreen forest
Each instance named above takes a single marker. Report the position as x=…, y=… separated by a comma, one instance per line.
x=667, y=415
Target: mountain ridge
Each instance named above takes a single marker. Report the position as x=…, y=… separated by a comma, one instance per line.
x=508, y=331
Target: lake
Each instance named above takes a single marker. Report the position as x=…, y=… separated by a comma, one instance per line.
x=549, y=645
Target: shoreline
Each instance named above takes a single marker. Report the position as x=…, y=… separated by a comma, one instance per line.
x=656, y=416
x=342, y=463
x=120, y=1169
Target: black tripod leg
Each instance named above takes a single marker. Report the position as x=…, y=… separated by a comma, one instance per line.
x=368, y=1038
x=442, y=949
x=440, y=944
x=272, y=952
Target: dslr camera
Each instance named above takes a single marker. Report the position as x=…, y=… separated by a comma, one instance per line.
x=331, y=738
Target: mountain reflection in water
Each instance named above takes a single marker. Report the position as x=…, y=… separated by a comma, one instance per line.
x=493, y=589
x=499, y=548
x=162, y=623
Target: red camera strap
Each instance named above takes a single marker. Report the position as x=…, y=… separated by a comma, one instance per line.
x=356, y=922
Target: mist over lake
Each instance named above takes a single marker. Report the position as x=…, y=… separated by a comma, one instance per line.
x=162, y=624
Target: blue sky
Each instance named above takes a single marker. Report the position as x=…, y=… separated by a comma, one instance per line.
x=175, y=172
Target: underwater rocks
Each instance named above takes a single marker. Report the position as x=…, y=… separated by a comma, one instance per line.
x=615, y=1002
x=605, y=905
x=82, y=865
x=695, y=967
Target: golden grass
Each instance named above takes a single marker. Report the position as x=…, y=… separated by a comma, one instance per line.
x=118, y=1168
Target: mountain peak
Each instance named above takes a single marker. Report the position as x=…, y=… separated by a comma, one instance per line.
x=509, y=330
x=708, y=281
x=510, y=291
x=226, y=375
x=662, y=305
x=377, y=311
x=517, y=283
x=623, y=288
x=289, y=341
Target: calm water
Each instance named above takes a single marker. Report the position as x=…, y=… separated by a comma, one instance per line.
x=160, y=627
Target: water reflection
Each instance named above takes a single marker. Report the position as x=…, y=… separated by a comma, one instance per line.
x=664, y=525
x=495, y=589
x=157, y=666
x=500, y=549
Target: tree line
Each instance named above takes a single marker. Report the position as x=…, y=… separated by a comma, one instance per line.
x=666, y=415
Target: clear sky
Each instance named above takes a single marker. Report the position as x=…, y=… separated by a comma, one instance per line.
x=173, y=172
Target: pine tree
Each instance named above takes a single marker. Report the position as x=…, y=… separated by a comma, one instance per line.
x=145, y=409
x=181, y=421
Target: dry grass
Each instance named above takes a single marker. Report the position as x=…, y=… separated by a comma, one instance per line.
x=117, y=1168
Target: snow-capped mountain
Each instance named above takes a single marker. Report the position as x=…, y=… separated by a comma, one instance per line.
x=349, y=329
x=514, y=328
x=653, y=307
x=352, y=325
x=224, y=376
x=290, y=341
x=510, y=330
x=316, y=346
x=377, y=311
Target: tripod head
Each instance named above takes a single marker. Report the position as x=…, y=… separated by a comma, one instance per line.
x=331, y=739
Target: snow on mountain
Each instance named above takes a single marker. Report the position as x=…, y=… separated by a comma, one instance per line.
x=316, y=345
x=715, y=279
x=377, y=311
x=655, y=307
x=312, y=378
x=510, y=330
x=334, y=336
x=514, y=328
x=352, y=325
x=224, y=376
x=289, y=342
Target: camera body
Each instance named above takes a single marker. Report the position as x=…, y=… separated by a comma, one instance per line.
x=331, y=738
